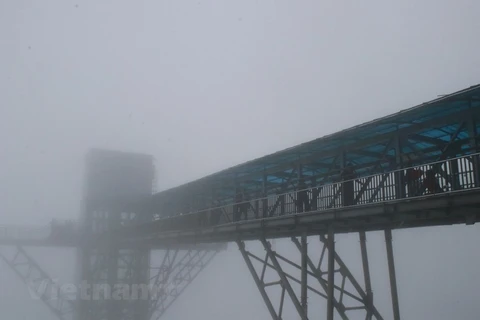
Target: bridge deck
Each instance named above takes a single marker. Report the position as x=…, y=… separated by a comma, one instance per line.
x=63, y=235
x=382, y=201
x=446, y=209
x=53, y=235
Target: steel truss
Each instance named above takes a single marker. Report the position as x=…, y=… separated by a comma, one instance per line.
x=177, y=270
x=343, y=297
x=36, y=278
x=115, y=269
x=323, y=167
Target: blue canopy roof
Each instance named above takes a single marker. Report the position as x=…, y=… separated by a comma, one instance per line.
x=427, y=127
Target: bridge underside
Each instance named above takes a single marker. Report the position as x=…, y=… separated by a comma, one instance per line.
x=442, y=209
x=345, y=295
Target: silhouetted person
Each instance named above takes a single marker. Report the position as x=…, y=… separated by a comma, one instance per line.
x=348, y=175
x=431, y=183
x=315, y=194
x=412, y=177
x=241, y=206
x=302, y=202
x=453, y=150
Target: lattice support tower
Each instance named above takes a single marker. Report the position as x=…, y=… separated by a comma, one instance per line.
x=328, y=277
x=40, y=283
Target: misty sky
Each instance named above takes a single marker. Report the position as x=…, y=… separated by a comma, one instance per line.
x=203, y=85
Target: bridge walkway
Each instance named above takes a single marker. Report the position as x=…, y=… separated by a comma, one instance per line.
x=441, y=192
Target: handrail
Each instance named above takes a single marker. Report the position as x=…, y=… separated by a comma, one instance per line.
x=470, y=175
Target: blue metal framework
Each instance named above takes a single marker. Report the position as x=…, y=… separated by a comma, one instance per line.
x=371, y=197
x=445, y=127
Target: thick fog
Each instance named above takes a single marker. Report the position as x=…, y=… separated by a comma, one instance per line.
x=203, y=85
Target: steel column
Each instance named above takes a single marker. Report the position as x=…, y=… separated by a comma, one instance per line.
x=162, y=277
x=346, y=272
x=318, y=275
x=476, y=170
x=366, y=272
x=264, y=201
x=472, y=131
x=391, y=269
x=304, y=294
x=331, y=273
x=285, y=283
x=400, y=190
x=188, y=268
x=260, y=286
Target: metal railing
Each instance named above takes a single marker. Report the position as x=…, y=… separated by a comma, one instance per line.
x=56, y=229
x=448, y=175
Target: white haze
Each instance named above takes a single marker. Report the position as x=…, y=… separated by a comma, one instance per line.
x=203, y=85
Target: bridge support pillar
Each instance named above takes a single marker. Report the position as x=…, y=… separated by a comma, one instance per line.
x=391, y=270
x=366, y=272
x=111, y=276
x=331, y=273
x=285, y=283
x=25, y=267
x=345, y=299
x=177, y=271
x=304, y=293
x=258, y=281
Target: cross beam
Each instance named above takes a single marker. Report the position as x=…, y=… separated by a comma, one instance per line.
x=323, y=272
x=35, y=278
x=178, y=277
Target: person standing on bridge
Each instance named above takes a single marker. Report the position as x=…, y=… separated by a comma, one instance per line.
x=348, y=191
x=241, y=205
x=412, y=177
x=431, y=183
x=302, y=201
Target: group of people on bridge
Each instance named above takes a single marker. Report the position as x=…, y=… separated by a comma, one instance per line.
x=416, y=181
